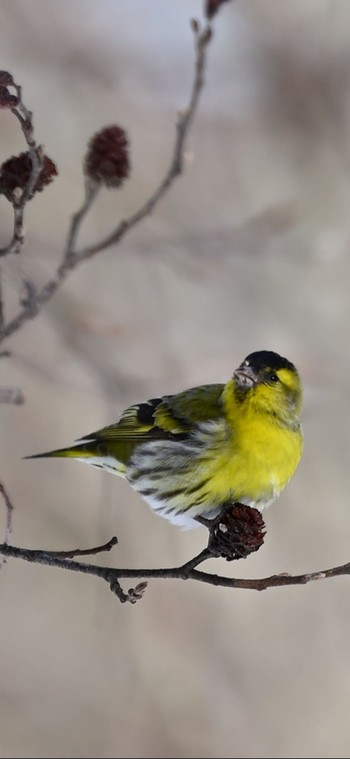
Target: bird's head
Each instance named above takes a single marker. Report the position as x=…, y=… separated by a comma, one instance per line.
x=269, y=383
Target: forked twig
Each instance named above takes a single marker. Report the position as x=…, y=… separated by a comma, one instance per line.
x=20, y=198
x=72, y=256
x=9, y=512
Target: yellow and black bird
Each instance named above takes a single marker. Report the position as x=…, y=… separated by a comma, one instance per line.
x=188, y=454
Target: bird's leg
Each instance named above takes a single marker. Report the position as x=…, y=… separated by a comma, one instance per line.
x=204, y=521
x=209, y=523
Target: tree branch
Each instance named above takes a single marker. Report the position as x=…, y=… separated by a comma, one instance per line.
x=20, y=198
x=72, y=257
x=9, y=512
x=185, y=118
x=235, y=533
x=187, y=571
x=12, y=395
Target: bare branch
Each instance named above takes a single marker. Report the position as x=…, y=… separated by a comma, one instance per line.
x=85, y=551
x=17, y=238
x=236, y=532
x=72, y=257
x=12, y=395
x=91, y=190
x=2, y=317
x=25, y=118
x=185, y=118
x=186, y=572
x=9, y=511
x=21, y=197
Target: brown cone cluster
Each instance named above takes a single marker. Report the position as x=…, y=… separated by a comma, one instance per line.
x=107, y=158
x=15, y=174
x=238, y=531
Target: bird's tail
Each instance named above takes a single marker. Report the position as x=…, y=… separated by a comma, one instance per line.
x=80, y=451
x=90, y=452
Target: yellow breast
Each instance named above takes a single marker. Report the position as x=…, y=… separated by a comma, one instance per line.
x=255, y=463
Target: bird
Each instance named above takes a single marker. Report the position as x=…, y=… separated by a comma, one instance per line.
x=190, y=453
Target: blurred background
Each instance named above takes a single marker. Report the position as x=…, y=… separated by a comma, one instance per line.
x=249, y=250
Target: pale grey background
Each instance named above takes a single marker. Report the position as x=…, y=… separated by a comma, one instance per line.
x=249, y=250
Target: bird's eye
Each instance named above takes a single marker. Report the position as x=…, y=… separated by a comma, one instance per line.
x=246, y=362
x=273, y=377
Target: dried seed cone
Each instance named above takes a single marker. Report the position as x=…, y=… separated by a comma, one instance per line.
x=7, y=99
x=107, y=158
x=238, y=531
x=15, y=174
x=5, y=78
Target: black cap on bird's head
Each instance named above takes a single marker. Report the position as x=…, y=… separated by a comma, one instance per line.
x=270, y=383
x=262, y=359
x=261, y=367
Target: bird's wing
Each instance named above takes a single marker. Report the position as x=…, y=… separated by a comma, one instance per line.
x=183, y=411
x=161, y=418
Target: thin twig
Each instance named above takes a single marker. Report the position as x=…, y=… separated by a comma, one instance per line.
x=91, y=191
x=2, y=316
x=13, y=395
x=185, y=118
x=20, y=199
x=85, y=551
x=17, y=238
x=25, y=118
x=9, y=511
x=72, y=257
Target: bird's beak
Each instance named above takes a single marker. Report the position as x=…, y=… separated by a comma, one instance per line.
x=245, y=377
